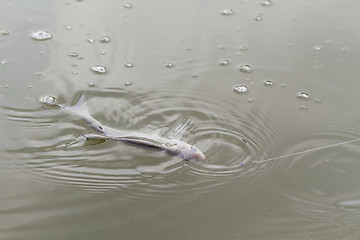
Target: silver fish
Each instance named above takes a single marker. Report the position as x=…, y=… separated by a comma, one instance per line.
x=170, y=146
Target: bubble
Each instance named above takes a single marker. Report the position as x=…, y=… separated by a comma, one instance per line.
x=169, y=65
x=68, y=28
x=259, y=17
x=39, y=74
x=303, y=107
x=103, y=52
x=48, y=100
x=128, y=5
x=345, y=49
x=91, y=84
x=245, y=68
x=128, y=83
x=318, y=100
x=303, y=96
x=3, y=62
x=318, y=48
x=195, y=75
x=99, y=69
x=269, y=83
x=73, y=54
x=266, y=3
x=227, y=12
x=129, y=65
x=41, y=35
x=90, y=40
x=244, y=48
x=241, y=89
x=283, y=85
x=4, y=32
x=224, y=62
x=104, y=39
x=251, y=100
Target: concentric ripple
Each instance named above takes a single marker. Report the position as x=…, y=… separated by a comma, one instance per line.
x=58, y=153
x=323, y=184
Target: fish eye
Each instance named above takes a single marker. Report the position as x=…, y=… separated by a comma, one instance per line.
x=193, y=149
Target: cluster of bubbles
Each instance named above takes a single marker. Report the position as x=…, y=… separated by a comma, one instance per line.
x=42, y=35
x=243, y=89
x=4, y=32
x=99, y=69
x=259, y=17
x=48, y=100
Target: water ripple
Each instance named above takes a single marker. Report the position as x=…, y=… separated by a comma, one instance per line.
x=54, y=148
x=322, y=185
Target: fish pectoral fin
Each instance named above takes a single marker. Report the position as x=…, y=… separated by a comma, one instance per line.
x=89, y=142
x=93, y=139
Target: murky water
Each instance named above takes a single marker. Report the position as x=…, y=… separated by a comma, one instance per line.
x=244, y=81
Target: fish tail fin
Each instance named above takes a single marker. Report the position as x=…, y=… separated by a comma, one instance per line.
x=81, y=109
x=80, y=106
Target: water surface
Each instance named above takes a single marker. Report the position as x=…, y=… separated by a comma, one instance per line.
x=244, y=81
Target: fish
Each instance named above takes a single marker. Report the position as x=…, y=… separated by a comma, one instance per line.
x=174, y=147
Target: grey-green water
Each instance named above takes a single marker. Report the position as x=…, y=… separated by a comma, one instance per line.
x=247, y=80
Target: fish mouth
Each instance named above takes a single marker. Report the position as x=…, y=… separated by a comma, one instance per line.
x=202, y=157
x=199, y=156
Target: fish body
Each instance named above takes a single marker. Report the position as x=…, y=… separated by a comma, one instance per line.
x=170, y=146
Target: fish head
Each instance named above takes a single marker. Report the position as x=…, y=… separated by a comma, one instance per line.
x=187, y=151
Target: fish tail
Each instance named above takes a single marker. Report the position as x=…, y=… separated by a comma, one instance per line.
x=80, y=106
x=81, y=109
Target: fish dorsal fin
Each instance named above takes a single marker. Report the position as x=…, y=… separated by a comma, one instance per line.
x=181, y=128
